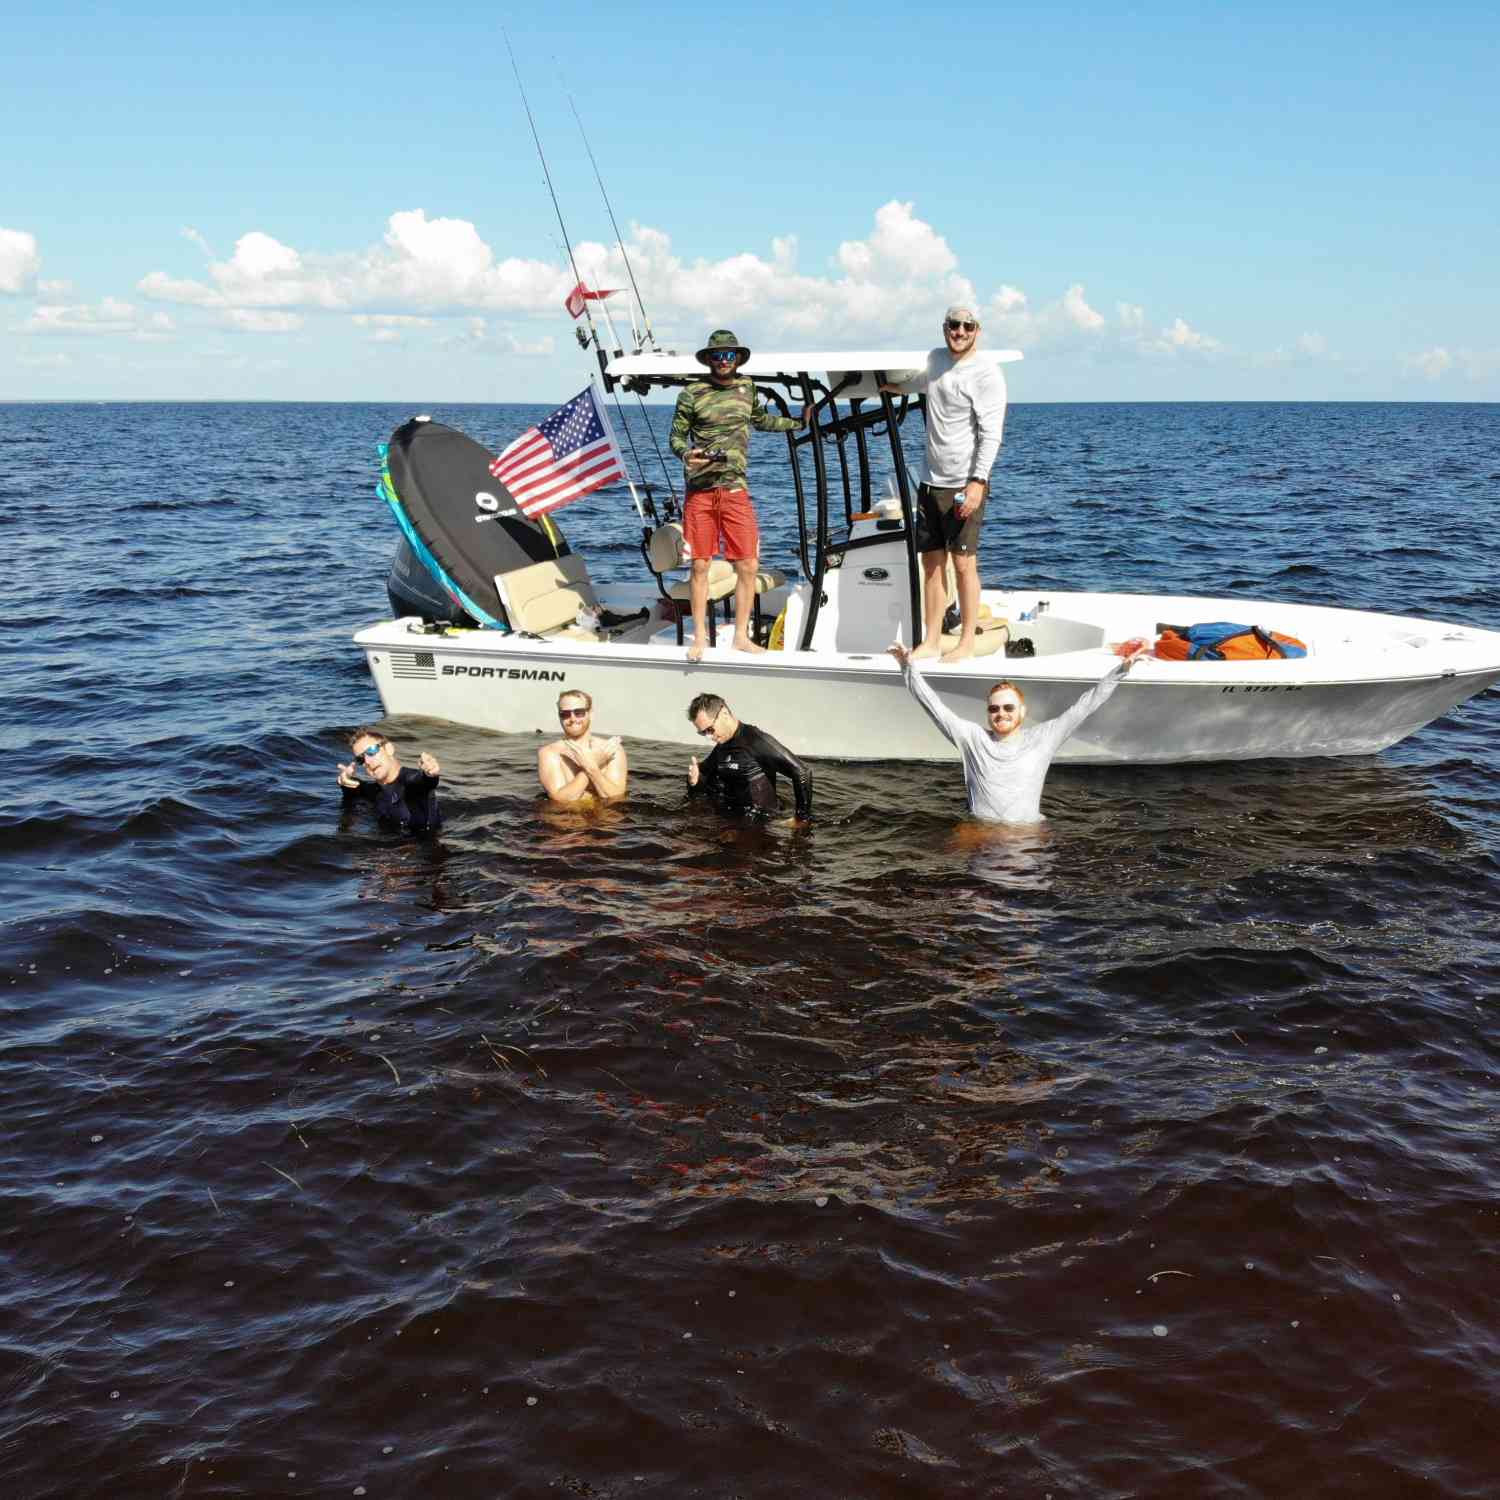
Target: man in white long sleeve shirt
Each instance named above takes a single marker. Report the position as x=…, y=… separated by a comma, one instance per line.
x=1006, y=764
x=965, y=422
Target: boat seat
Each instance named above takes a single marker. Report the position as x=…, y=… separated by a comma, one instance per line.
x=544, y=598
x=666, y=551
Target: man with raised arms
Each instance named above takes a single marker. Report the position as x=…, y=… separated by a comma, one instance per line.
x=711, y=434
x=581, y=764
x=403, y=796
x=740, y=772
x=1006, y=764
x=965, y=422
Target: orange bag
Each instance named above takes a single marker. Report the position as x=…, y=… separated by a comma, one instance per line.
x=1223, y=642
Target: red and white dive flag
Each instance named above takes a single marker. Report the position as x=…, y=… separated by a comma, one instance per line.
x=581, y=294
x=562, y=458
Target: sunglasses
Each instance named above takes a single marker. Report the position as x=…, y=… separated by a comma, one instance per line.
x=709, y=727
x=723, y=357
x=371, y=751
x=996, y=709
x=572, y=713
x=957, y=325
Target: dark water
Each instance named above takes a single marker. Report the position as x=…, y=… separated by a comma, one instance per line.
x=1154, y=1155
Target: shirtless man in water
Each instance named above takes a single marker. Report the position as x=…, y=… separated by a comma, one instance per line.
x=581, y=764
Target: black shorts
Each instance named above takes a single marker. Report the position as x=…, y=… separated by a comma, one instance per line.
x=939, y=526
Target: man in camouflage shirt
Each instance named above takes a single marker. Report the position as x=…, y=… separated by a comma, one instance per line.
x=711, y=434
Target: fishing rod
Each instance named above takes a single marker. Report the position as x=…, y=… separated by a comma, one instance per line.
x=547, y=177
x=619, y=238
x=650, y=338
x=593, y=333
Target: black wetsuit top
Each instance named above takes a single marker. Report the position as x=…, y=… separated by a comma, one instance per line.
x=740, y=774
x=410, y=801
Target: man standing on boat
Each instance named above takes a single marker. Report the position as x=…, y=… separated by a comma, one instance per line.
x=711, y=434
x=965, y=422
x=1006, y=764
x=580, y=763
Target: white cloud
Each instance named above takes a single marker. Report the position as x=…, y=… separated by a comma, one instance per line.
x=189, y=233
x=421, y=264
x=259, y=320
x=1179, y=336
x=387, y=328
x=1467, y=364
x=1432, y=363
x=109, y=316
x=19, y=260
x=390, y=320
x=902, y=243
x=1077, y=310
x=1314, y=345
x=886, y=289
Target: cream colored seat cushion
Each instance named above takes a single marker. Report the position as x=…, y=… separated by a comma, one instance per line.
x=547, y=595
x=668, y=553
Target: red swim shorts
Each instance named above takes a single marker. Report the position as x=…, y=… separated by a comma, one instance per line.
x=714, y=516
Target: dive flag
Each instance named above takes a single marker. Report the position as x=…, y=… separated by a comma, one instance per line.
x=580, y=294
x=562, y=458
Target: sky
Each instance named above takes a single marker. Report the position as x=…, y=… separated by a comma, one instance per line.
x=1154, y=202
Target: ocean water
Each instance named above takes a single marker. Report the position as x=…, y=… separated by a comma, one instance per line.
x=1152, y=1154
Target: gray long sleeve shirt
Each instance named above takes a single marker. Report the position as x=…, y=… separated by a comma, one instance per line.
x=965, y=417
x=1004, y=776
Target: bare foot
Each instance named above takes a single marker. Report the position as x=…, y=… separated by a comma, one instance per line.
x=924, y=651
x=695, y=649
x=744, y=643
x=961, y=652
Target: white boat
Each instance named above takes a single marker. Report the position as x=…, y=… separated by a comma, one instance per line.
x=1367, y=681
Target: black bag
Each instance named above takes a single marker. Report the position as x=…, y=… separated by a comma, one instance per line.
x=1022, y=646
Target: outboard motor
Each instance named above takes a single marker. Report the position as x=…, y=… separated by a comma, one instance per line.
x=414, y=591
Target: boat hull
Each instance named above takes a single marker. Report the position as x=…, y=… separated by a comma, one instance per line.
x=1378, y=679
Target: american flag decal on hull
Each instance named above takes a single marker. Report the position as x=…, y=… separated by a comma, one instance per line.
x=412, y=664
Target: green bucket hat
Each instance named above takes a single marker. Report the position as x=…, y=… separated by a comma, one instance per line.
x=722, y=338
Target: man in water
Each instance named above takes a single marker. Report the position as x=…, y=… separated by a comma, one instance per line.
x=404, y=796
x=711, y=434
x=740, y=772
x=581, y=764
x=965, y=422
x=1006, y=764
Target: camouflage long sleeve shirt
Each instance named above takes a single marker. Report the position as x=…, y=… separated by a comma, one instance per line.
x=721, y=416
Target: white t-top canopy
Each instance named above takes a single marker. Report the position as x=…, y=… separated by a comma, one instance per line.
x=894, y=364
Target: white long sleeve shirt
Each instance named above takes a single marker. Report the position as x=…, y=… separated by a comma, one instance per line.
x=965, y=417
x=1004, y=775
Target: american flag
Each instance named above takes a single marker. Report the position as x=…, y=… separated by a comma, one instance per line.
x=562, y=458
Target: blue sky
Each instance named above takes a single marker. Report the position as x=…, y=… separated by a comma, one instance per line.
x=1167, y=203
